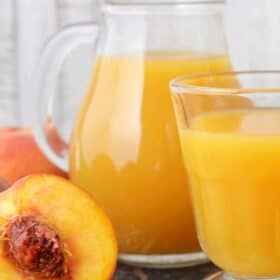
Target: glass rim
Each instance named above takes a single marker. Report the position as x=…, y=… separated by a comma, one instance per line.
x=177, y=86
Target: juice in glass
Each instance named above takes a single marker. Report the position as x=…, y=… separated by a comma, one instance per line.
x=233, y=160
x=125, y=150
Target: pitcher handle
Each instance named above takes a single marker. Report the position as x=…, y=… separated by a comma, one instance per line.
x=45, y=82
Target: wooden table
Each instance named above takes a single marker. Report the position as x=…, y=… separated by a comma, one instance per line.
x=193, y=273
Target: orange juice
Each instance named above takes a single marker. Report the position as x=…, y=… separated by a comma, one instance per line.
x=125, y=150
x=233, y=159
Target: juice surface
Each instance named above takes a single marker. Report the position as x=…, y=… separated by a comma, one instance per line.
x=233, y=160
x=125, y=150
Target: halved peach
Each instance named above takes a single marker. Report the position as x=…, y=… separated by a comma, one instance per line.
x=52, y=229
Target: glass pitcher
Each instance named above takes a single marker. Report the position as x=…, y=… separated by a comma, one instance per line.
x=124, y=147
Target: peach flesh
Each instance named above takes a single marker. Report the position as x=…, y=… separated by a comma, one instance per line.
x=70, y=216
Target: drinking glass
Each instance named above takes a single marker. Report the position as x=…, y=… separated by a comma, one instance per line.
x=229, y=127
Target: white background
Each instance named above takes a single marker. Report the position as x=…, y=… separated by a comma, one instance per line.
x=253, y=33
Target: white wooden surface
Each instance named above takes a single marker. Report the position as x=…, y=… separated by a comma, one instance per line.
x=253, y=31
x=8, y=77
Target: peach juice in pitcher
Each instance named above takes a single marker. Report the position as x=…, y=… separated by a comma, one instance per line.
x=125, y=150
